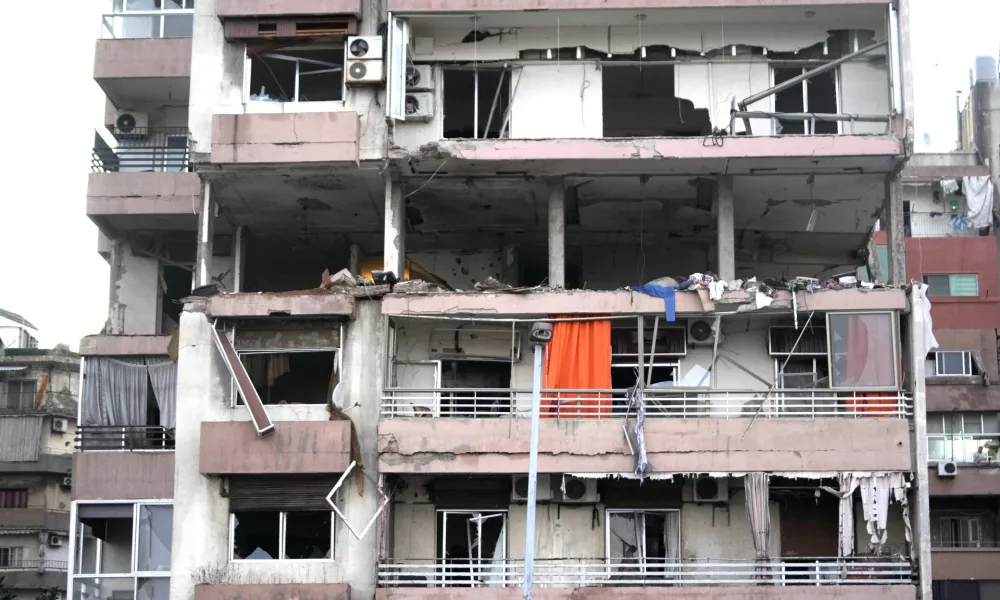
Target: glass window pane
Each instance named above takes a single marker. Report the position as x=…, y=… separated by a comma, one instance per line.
x=308, y=535
x=990, y=422
x=882, y=260
x=973, y=422
x=142, y=4
x=965, y=285
x=956, y=422
x=255, y=535
x=157, y=588
x=178, y=26
x=936, y=449
x=624, y=531
x=118, y=588
x=156, y=526
x=951, y=363
x=863, y=350
x=939, y=285
x=934, y=423
x=86, y=551
x=115, y=534
x=173, y=4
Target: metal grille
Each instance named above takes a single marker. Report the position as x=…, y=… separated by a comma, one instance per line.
x=143, y=150
x=123, y=437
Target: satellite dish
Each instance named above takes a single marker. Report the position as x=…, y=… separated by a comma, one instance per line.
x=340, y=396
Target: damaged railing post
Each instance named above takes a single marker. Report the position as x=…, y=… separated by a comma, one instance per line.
x=541, y=334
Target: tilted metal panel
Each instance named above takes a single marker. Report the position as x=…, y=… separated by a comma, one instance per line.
x=279, y=493
x=20, y=438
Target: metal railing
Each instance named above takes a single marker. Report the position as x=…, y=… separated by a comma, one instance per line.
x=123, y=437
x=659, y=402
x=646, y=572
x=939, y=224
x=33, y=565
x=958, y=545
x=809, y=120
x=146, y=24
x=144, y=149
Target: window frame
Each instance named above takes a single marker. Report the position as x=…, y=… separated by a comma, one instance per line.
x=950, y=293
x=635, y=511
x=282, y=542
x=248, y=72
x=949, y=439
x=14, y=555
x=24, y=493
x=441, y=531
x=20, y=382
x=234, y=394
x=968, y=363
x=894, y=324
x=808, y=127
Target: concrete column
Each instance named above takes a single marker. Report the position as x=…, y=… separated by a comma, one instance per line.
x=557, y=232
x=239, y=257
x=354, y=262
x=920, y=516
x=394, y=255
x=206, y=238
x=892, y=223
x=116, y=311
x=906, y=70
x=724, y=215
x=986, y=125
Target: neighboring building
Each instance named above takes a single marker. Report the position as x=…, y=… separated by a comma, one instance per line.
x=567, y=152
x=16, y=331
x=38, y=400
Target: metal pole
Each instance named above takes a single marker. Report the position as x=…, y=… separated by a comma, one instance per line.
x=529, y=530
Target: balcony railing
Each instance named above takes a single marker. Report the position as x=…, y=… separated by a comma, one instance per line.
x=957, y=545
x=940, y=224
x=645, y=572
x=145, y=24
x=659, y=402
x=127, y=437
x=143, y=150
x=33, y=565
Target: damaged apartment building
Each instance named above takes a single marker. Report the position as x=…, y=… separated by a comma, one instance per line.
x=354, y=244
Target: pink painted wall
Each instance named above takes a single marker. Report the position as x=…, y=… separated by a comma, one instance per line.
x=445, y=445
x=274, y=591
x=143, y=194
x=123, y=475
x=326, y=137
x=255, y=8
x=972, y=480
x=959, y=255
x=313, y=302
x=948, y=398
x=691, y=592
x=233, y=447
x=124, y=345
x=965, y=564
x=165, y=57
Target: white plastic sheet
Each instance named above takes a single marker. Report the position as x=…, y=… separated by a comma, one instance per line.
x=979, y=198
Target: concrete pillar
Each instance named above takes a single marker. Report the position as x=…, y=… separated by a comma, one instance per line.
x=986, y=125
x=116, y=311
x=239, y=257
x=557, y=232
x=920, y=516
x=206, y=238
x=394, y=255
x=892, y=223
x=724, y=215
x=906, y=70
x=354, y=262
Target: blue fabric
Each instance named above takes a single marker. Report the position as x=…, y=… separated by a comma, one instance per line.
x=661, y=291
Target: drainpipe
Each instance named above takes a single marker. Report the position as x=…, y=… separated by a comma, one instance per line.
x=541, y=334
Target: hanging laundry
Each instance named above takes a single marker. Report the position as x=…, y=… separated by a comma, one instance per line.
x=661, y=291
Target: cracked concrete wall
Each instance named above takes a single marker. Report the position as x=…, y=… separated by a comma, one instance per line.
x=557, y=101
x=138, y=286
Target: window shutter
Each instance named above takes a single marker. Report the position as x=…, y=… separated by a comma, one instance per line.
x=279, y=493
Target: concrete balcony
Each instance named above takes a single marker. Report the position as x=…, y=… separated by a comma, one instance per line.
x=315, y=139
x=486, y=6
x=123, y=475
x=125, y=345
x=34, y=574
x=144, y=71
x=295, y=447
x=226, y=9
x=38, y=518
x=964, y=563
x=979, y=479
x=311, y=303
x=278, y=591
x=673, y=445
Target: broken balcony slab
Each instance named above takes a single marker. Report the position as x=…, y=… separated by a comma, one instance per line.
x=688, y=592
x=295, y=447
x=310, y=138
x=268, y=8
x=735, y=155
x=144, y=201
x=293, y=304
x=431, y=445
x=580, y=302
x=944, y=165
x=124, y=475
x=135, y=72
x=125, y=345
x=275, y=591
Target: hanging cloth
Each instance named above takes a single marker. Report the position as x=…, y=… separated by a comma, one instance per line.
x=578, y=357
x=847, y=484
x=662, y=291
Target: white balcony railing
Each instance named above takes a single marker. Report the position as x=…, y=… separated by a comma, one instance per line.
x=649, y=572
x=145, y=24
x=659, y=402
x=939, y=224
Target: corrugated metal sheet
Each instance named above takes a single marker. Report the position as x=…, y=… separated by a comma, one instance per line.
x=8, y=368
x=20, y=438
x=288, y=492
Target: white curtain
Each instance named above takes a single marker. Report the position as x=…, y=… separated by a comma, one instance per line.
x=115, y=391
x=979, y=199
x=848, y=484
x=163, y=376
x=876, y=492
x=758, y=512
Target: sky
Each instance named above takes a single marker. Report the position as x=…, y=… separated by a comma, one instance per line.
x=52, y=274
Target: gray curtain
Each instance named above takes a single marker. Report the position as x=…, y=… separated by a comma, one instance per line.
x=115, y=391
x=163, y=375
x=848, y=484
x=758, y=513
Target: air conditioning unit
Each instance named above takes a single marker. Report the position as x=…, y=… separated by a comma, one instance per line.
x=711, y=489
x=131, y=125
x=419, y=106
x=55, y=541
x=364, y=72
x=60, y=425
x=519, y=488
x=364, y=47
x=701, y=332
x=67, y=482
x=419, y=77
x=947, y=468
x=580, y=491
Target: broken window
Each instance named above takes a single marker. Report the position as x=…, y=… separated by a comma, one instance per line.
x=281, y=535
x=472, y=547
x=477, y=375
x=476, y=102
x=817, y=94
x=642, y=542
x=300, y=377
x=296, y=74
x=149, y=19
x=175, y=283
x=661, y=359
x=804, y=373
x=639, y=101
x=20, y=394
x=862, y=350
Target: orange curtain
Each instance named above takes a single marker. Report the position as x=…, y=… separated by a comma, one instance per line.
x=578, y=357
x=871, y=404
